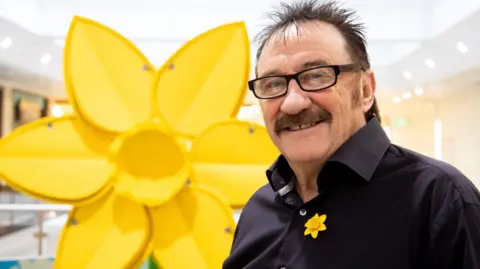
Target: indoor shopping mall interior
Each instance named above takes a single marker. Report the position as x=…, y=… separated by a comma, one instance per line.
x=425, y=55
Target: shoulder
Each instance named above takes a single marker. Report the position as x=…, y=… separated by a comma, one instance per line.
x=264, y=194
x=440, y=179
x=255, y=214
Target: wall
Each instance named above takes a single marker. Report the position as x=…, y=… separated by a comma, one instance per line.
x=461, y=129
x=459, y=142
x=7, y=110
x=417, y=116
x=8, y=102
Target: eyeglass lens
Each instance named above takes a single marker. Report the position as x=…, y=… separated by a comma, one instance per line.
x=312, y=79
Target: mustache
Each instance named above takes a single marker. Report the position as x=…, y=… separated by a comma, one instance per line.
x=309, y=116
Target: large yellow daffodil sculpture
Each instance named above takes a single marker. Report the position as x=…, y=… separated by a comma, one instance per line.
x=152, y=160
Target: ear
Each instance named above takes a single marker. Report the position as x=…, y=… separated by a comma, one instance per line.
x=369, y=87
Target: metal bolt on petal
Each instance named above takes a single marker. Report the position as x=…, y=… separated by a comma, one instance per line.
x=73, y=222
x=145, y=68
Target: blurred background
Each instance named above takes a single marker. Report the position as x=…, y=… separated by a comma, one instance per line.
x=426, y=55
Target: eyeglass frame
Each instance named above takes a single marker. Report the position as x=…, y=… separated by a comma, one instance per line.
x=337, y=69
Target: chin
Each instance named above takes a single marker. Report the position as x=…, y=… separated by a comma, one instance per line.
x=309, y=145
x=305, y=153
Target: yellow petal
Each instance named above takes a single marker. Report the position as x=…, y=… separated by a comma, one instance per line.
x=60, y=160
x=323, y=227
x=206, y=80
x=105, y=77
x=195, y=230
x=113, y=232
x=308, y=231
x=232, y=157
x=314, y=234
x=150, y=165
x=322, y=218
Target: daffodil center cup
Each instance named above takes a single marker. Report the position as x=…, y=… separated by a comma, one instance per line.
x=150, y=166
x=316, y=223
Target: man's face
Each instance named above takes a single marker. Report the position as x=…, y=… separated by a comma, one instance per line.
x=310, y=126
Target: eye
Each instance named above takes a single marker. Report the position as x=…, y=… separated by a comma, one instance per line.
x=274, y=83
x=318, y=75
x=313, y=75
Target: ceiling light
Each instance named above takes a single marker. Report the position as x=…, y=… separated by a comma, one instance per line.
x=406, y=95
x=46, y=58
x=397, y=99
x=418, y=91
x=57, y=111
x=6, y=43
x=407, y=75
x=462, y=47
x=430, y=63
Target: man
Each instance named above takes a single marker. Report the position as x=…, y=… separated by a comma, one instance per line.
x=341, y=195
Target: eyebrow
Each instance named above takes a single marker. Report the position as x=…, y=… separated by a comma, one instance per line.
x=314, y=63
x=305, y=65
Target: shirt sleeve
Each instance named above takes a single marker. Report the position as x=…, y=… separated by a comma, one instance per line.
x=455, y=233
x=470, y=258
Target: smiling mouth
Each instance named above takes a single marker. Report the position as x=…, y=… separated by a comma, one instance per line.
x=302, y=126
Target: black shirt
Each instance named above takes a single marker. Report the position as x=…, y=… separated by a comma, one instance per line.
x=386, y=208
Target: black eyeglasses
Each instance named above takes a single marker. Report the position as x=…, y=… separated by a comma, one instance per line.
x=310, y=80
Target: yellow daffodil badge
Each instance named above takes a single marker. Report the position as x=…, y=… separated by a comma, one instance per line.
x=151, y=160
x=315, y=224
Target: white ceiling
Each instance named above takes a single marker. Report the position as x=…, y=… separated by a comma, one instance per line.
x=401, y=34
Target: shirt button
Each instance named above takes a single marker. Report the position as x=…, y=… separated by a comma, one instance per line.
x=303, y=212
x=282, y=268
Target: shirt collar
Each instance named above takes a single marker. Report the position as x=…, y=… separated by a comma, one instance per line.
x=280, y=174
x=362, y=153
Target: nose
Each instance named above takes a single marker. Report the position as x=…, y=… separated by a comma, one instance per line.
x=296, y=100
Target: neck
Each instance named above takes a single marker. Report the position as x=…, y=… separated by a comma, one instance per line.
x=306, y=179
x=306, y=173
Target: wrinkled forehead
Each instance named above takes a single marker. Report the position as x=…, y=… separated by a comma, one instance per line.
x=291, y=48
